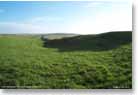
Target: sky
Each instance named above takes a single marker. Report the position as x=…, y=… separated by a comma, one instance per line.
x=80, y=17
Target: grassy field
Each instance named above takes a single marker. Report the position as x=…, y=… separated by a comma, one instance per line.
x=81, y=62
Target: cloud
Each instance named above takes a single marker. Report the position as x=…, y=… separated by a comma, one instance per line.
x=13, y=27
x=43, y=24
x=94, y=4
x=45, y=19
x=108, y=0
x=102, y=3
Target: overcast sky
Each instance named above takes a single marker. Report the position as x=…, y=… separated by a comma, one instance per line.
x=80, y=17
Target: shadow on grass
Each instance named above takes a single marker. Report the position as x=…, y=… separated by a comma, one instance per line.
x=100, y=42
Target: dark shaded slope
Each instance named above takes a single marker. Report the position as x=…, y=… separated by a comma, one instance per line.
x=100, y=42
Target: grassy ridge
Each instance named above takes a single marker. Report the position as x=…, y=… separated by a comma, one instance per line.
x=102, y=42
x=29, y=62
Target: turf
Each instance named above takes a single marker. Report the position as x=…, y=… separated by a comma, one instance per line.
x=81, y=62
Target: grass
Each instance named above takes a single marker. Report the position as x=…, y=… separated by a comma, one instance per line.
x=81, y=62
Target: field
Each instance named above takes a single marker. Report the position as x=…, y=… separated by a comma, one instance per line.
x=79, y=62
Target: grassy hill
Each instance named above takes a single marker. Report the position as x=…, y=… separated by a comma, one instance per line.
x=58, y=35
x=105, y=41
x=85, y=61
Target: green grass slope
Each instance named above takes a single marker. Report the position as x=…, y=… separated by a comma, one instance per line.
x=89, y=61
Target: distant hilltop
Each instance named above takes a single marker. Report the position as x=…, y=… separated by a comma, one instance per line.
x=58, y=35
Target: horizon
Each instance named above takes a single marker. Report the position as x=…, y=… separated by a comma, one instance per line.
x=61, y=33
x=77, y=17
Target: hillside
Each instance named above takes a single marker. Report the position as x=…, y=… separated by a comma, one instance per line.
x=80, y=62
x=105, y=41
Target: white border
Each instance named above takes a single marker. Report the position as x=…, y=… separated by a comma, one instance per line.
x=134, y=91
